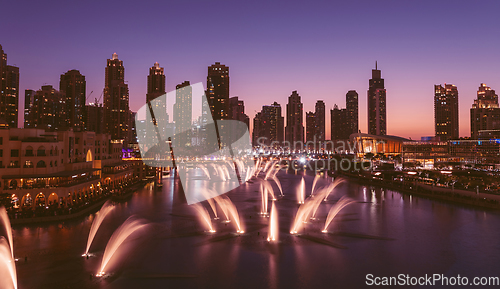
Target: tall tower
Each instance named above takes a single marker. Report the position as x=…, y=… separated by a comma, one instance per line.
x=116, y=100
x=74, y=85
x=446, y=111
x=310, y=126
x=183, y=114
x=29, y=99
x=294, y=131
x=351, y=99
x=9, y=92
x=218, y=90
x=377, y=121
x=485, y=112
x=268, y=125
x=47, y=110
x=319, y=113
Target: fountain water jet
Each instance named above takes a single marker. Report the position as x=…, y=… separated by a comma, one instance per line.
x=269, y=188
x=316, y=178
x=96, y=224
x=301, y=192
x=335, y=183
x=272, y=234
x=223, y=207
x=233, y=212
x=343, y=202
x=264, y=200
x=205, y=170
x=204, y=215
x=130, y=226
x=4, y=218
x=7, y=265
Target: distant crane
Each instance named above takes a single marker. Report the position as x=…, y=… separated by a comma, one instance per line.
x=87, y=97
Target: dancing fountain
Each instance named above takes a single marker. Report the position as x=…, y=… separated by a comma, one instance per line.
x=4, y=218
x=272, y=234
x=301, y=192
x=204, y=216
x=96, y=224
x=316, y=178
x=233, y=212
x=264, y=200
x=8, y=276
x=205, y=170
x=342, y=203
x=130, y=226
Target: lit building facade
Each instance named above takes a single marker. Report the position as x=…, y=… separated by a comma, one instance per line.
x=294, y=131
x=183, y=114
x=446, y=111
x=61, y=168
x=485, y=112
x=9, y=92
x=73, y=85
x=377, y=116
x=116, y=100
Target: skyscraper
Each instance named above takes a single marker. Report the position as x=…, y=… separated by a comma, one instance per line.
x=218, y=90
x=319, y=124
x=116, y=100
x=29, y=98
x=47, y=110
x=183, y=114
x=294, y=131
x=74, y=86
x=485, y=112
x=237, y=110
x=268, y=126
x=311, y=127
x=340, y=129
x=156, y=88
x=377, y=104
x=446, y=111
x=351, y=100
x=9, y=92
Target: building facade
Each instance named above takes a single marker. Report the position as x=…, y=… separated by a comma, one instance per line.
x=446, y=111
x=46, y=109
x=485, y=112
x=183, y=114
x=294, y=131
x=9, y=92
x=39, y=168
x=73, y=84
x=268, y=126
x=116, y=100
x=377, y=116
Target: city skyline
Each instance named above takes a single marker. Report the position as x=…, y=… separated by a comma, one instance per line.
x=414, y=55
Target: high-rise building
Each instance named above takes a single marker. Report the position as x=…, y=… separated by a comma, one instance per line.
x=319, y=113
x=268, y=126
x=9, y=92
x=183, y=114
x=218, y=90
x=351, y=99
x=311, y=127
x=344, y=122
x=47, y=110
x=29, y=98
x=116, y=100
x=237, y=110
x=156, y=82
x=485, y=111
x=95, y=114
x=73, y=84
x=377, y=118
x=340, y=129
x=446, y=111
x=294, y=131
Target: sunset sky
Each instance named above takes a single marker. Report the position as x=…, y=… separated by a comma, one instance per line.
x=321, y=49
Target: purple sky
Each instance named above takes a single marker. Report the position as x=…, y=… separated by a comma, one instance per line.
x=320, y=49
